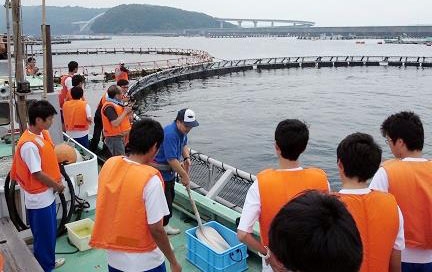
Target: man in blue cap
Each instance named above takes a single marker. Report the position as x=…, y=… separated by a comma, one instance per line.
x=169, y=158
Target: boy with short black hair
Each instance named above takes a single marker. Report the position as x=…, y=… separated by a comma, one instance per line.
x=358, y=159
x=66, y=82
x=130, y=193
x=275, y=187
x=408, y=177
x=315, y=232
x=36, y=169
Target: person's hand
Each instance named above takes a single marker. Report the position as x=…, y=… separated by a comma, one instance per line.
x=186, y=165
x=175, y=267
x=59, y=187
x=185, y=180
x=275, y=264
x=128, y=109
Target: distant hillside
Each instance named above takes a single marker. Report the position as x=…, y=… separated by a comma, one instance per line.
x=60, y=19
x=147, y=18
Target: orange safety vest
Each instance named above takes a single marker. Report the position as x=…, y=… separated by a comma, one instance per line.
x=119, y=74
x=377, y=219
x=75, y=115
x=30, y=71
x=49, y=165
x=1, y=262
x=121, y=217
x=278, y=187
x=64, y=92
x=108, y=129
x=411, y=183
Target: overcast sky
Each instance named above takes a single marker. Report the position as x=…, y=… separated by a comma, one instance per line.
x=323, y=12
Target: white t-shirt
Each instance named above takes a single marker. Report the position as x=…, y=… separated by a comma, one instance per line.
x=252, y=210
x=400, y=238
x=409, y=255
x=68, y=83
x=30, y=155
x=81, y=133
x=156, y=208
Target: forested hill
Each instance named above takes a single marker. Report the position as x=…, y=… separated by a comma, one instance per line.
x=60, y=19
x=148, y=18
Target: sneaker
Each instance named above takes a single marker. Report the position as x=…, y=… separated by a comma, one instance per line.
x=170, y=230
x=59, y=262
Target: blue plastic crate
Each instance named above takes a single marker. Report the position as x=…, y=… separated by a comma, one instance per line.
x=206, y=259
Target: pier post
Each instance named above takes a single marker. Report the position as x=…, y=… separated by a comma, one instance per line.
x=19, y=68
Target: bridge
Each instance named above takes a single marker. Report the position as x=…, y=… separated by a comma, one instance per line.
x=379, y=32
x=85, y=25
x=272, y=22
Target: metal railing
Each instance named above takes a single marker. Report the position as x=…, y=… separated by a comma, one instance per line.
x=187, y=57
x=218, y=181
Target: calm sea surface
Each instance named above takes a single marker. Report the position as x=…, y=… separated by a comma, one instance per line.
x=239, y=112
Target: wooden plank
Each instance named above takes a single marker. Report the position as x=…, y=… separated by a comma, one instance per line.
x=17, y=255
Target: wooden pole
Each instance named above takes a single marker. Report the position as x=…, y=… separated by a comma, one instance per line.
x=11, y=83
x=19, y=65
x=47, y=55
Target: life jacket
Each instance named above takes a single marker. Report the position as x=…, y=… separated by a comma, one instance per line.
x=49, y=165
x=75, y=116
x=108, y=129
x=30, y=71
x=411, y=183
x=278, y=187
x=1, y=263
x=119, y=74
x=64, y=92
x=121, y=217
x=377, y=218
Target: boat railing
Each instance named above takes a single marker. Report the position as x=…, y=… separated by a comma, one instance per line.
x=219, y=181
x=206, y=69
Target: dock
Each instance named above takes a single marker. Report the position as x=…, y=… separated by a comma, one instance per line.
x=16, y=254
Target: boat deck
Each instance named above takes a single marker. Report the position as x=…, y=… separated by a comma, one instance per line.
x=95, y=260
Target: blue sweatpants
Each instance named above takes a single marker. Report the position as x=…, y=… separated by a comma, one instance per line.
x=44, y=228
x=160, y=268
x=416, y=267
x=84, y=141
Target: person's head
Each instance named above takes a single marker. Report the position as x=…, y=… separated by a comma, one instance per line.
x=114, y=92
x=145, y=137
x=41, y=114
x=73, y=67
x=291, y=138
x=78, y=80
x=403, y=132
x=315, y=232
x=77, y=93
x=186, y=120
x=358, y=157
x=31, y=61
x=124, y=85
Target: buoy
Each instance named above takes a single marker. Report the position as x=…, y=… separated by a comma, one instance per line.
x=65, y=153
